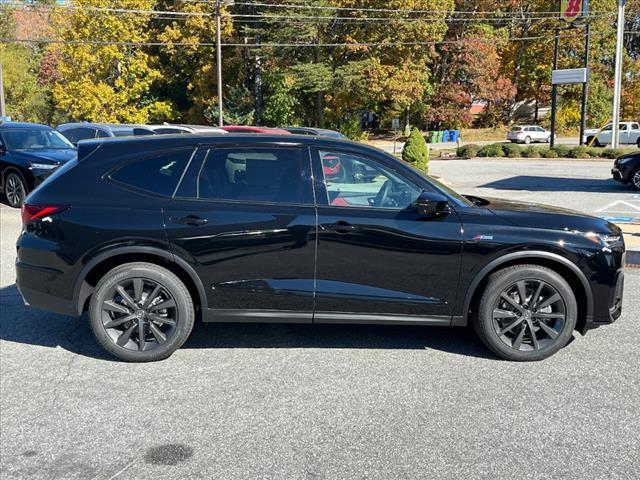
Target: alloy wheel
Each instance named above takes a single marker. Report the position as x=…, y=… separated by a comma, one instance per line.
x=636, y=179
x=14, y=190
x=529, y=315
x=139, y=314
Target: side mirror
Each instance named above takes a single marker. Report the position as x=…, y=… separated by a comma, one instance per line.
x=431, y=204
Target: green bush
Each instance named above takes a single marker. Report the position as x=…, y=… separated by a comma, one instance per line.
x=467, y=151
x=611, y=152
x=594, y=152
x=578, y=152
x=415, y=151
x=531, y=152
x=512, y=150
x=352, y=128
x=493, y=150
x=549, y=153
x=561, y=151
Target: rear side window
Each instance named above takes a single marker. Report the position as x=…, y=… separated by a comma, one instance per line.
x=74, y=135
x=159, y=174
x=256, y=175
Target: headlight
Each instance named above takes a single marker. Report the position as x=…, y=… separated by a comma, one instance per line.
x=605, y=240
x=42, y=166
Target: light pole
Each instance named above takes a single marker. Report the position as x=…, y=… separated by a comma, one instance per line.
x=219, y=63
x=617, y=77
x=3, y=110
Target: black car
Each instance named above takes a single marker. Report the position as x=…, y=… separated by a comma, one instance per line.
x=148, y=235
x=75, y=132
x=322, y=132
x=626, y=169
x=29, y=153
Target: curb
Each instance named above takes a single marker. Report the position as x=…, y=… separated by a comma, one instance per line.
x=632, y=259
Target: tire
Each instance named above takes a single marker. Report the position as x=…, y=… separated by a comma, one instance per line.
x=638, y=143
x=510, y=336
x=634, y=179
x=166, y=319
x=589, y=139
x=15, y=189
x=596, y=143
x=527, y=140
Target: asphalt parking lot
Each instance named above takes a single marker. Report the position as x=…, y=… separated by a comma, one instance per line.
x=328, y=402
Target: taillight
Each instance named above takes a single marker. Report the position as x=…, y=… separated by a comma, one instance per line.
x=33, y=212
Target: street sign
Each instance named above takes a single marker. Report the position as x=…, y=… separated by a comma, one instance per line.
x=395, y=124
x=570, y=10
x=569, y=75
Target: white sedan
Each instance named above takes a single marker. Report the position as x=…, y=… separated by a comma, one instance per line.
x=528, y=134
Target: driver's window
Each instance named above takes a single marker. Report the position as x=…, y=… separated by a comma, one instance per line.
x=356, y=181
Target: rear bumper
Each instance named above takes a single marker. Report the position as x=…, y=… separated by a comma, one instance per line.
x=33, y=282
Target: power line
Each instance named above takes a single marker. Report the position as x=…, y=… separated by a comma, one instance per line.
x=389, y=10
x=290, y=45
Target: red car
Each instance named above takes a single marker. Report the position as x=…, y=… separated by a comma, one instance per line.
x=249, y=129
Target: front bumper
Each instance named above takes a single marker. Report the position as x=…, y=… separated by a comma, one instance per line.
x=616, y=174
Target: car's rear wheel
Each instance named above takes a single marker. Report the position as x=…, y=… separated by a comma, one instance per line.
x=15, y=189
x=141, y=312
x=526, y=313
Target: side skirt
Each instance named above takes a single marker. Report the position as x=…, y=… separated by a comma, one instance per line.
x=214, y=315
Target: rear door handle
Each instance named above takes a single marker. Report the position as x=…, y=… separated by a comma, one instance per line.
x=341, y=227
x=192, y=220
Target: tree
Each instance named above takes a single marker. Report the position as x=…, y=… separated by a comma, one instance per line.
x=110, y=82
x=415, y=151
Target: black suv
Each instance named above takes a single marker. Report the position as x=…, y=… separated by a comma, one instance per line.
x=149, y=234
x=626, y=169
x=29, y=153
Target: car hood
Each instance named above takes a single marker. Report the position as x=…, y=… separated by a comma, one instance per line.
x=533, y=215
x=589, y=131
x=54, y=156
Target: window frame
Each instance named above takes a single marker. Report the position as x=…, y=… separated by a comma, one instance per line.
x=203, y=151
x=132, y=159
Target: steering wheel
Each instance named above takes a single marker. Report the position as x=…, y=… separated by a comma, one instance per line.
x=383, y=194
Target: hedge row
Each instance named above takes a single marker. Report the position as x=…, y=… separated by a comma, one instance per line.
x=513, y=150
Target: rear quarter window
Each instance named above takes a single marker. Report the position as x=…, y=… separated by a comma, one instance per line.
x=157, y=174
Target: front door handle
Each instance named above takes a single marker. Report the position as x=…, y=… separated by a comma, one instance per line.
x=340, y=227
x=191, y=220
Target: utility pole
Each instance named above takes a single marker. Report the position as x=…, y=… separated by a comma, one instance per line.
x=219, y=62
x=585, y=86
x=617, y=77
x=554, y=89
x=3, y=110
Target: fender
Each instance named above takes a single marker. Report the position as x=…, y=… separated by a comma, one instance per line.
x=82, y=290
x=533, y=254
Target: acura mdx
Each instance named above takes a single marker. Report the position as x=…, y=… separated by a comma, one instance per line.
x=149, y=234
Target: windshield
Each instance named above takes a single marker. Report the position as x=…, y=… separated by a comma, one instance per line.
x=34, y=139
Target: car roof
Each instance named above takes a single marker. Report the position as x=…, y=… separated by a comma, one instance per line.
x=38, y=126
x=112, y=126
x=116, y=147
x=177, y=140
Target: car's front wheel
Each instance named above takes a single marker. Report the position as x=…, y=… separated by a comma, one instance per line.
x=526, y=313
x=634, y=178
x=141, y=312
x=527, y=140
x=15, y=189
